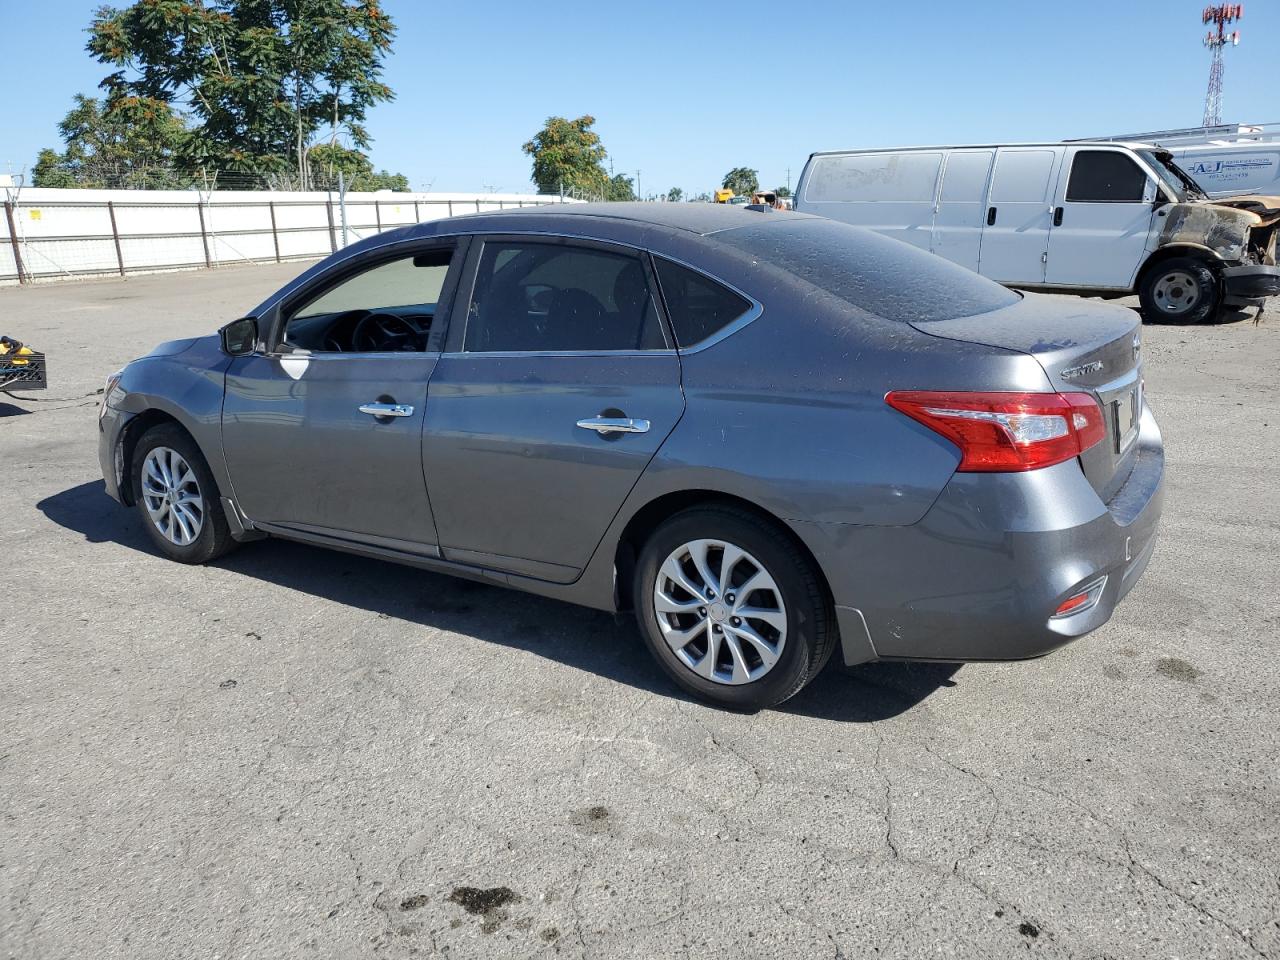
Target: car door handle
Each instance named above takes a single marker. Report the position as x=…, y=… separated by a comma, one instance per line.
x=614, y=425
x=991, y=216
x=1057, y=216
x=386, y=409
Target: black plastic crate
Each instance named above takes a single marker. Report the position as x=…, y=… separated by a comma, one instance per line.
x=26, y=372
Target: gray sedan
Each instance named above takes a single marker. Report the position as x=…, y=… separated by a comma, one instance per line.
x=769, y=436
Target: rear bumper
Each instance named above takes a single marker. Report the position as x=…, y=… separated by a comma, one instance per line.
x=980, y=575
x=1250, y=284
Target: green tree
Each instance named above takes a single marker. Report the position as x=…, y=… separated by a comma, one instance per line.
x=133, y=146
x=783, y=192
x=258, y=78
x=568, y=155
x=620, y=187
x=675, y=195
x=742, y=180
x=327, y=159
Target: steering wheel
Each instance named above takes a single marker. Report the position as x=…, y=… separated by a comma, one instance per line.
x=379, y=331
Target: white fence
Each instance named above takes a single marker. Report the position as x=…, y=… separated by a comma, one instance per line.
x=46, y=234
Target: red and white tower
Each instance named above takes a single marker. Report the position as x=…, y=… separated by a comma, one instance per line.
x=1219, y=16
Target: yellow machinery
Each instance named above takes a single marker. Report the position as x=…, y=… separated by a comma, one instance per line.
x=21, y=368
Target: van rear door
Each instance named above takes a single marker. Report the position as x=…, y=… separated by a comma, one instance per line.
x=1015, y=233
x=1101, y=220
x=961, y=209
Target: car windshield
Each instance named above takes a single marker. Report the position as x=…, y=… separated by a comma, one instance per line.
x=888, y=278
x=1175, y=178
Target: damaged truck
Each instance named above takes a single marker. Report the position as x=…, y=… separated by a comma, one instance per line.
x=1102, y=218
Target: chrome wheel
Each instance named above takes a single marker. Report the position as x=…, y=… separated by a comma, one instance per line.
x=171, y=494
x=1176, y=292
x=720, y=611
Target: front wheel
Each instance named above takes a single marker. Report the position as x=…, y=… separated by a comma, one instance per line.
x=178, y=498
x=1180, y=290
x=732, y=609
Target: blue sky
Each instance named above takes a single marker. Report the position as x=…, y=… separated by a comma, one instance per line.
x=685, y=91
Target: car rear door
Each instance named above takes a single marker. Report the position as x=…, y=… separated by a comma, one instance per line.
x=1101, y=220
x=326, y=440
x=556, y=391
x=1015, y=233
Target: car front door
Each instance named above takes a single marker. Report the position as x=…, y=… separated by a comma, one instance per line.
x=1015, y=233
x=1102, y=219
x=322, y=433
x=554, y=395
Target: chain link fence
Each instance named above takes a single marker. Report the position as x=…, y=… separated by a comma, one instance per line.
x=51, y=233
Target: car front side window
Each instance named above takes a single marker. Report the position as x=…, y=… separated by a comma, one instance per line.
x=551, y=297
x=389, y=307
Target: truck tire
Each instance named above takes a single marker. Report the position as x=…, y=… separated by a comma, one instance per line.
x=1180, y=290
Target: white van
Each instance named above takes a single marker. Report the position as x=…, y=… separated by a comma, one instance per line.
x=1098, y=218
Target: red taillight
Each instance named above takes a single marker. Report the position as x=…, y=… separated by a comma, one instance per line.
x=1007, y=431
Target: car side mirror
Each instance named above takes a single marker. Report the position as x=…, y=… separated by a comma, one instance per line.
x=240, y=337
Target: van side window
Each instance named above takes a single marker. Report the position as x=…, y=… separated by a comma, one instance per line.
x=906, y=177
x=697, y=305
x=1105, y=176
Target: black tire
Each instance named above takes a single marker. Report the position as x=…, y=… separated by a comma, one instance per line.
x=1166, y=296
x=214, y=537
x=811, y=632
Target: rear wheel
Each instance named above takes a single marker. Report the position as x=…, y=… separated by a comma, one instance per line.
x=731, y=609
x=1180, y=290
x=177, y=497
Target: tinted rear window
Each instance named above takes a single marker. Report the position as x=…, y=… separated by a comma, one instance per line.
x=697, y=305
x=881, y=276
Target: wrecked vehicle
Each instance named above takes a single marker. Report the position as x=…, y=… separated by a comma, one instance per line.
x=21, y=368
x=1103, y=219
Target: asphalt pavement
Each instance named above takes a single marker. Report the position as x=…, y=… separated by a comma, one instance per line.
x=299, y=753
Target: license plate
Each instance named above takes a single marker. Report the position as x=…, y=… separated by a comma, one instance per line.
x=1125, y=412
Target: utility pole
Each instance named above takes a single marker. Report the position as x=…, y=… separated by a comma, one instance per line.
x=1220, y=16
x=639, y=195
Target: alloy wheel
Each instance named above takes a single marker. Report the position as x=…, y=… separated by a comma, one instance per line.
x=720, y=611
x=171, y=494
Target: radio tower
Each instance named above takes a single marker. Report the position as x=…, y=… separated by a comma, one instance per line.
x=1220, y=16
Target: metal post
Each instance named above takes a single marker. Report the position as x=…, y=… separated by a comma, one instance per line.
x=377, y=214
x=115, y=235
x=333, y=237
x=275, y=236
x=13, y=238
x=477, y=204
x=204, y=236
x=417, y=214
x=342, y=208
x=450, y=203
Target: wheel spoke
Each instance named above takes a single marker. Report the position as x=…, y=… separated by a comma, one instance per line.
x=741, y=672
x=728, y=560
x=665, y=604
x=775, y=618
x=678, y=639
x=673, y=572
x=768, y=652
x=698, y=554
x=707, y=665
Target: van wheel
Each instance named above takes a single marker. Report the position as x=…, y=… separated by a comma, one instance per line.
x=177, y=497
x=1180, y=290
x=731, y=608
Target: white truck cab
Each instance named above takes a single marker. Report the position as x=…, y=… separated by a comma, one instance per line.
x=1097, y=218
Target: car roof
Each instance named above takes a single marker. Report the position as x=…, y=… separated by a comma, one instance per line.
x=702, y=219
x=1129, y=144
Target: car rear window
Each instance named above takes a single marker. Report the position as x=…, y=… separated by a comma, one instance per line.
x=885, y=277
x=698, y=306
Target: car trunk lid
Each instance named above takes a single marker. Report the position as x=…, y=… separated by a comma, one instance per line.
x=1084, y=347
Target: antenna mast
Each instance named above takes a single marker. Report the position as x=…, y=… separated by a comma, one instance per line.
x=1221, y=15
